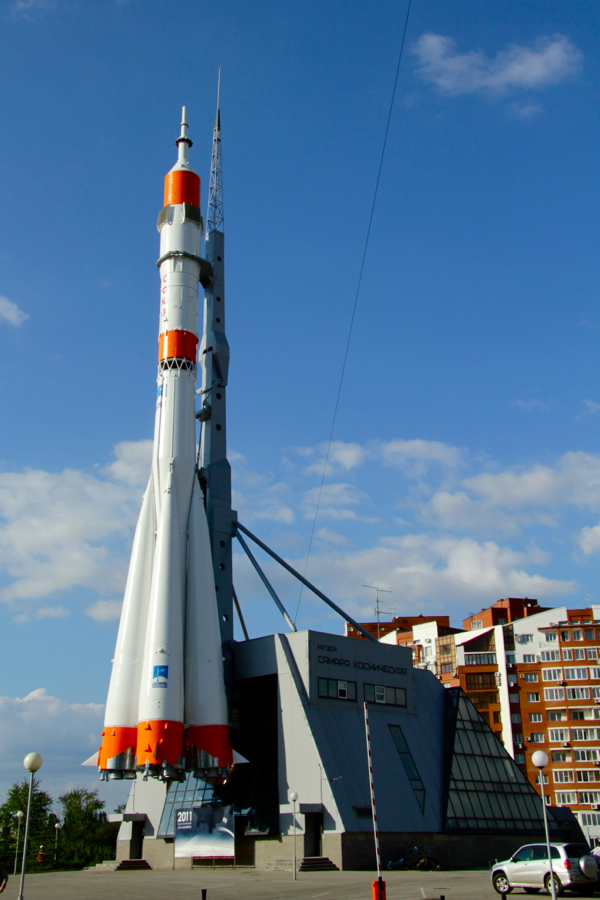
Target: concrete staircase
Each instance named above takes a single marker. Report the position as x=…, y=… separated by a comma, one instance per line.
x=317, y=864
x=132, y=865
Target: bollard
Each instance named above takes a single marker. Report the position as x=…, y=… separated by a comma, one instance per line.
x=204, y=893
x=378, y=890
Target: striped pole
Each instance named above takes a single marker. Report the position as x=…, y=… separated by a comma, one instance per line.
x=378, y=887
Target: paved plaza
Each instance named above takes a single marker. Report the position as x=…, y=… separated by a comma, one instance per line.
x=250, y=884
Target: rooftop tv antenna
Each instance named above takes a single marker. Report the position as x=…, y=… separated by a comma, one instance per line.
x=378, y=604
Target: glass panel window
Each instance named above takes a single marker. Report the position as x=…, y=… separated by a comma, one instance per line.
x=578, y=693
x=558, y=735
x=595, y=673
x=537, y=737
x=389, y=696
x=565, y=635
x=576, y=674
x=586, y=754
x=589, y=797
x=552, y=674
x=481, y=681
x=598, y=634
x=585, y=734
x=592, y=653
x=535, y=717
x=550, y=655
x=550, y=636
x=587, y=775
x=511, y=659
x=561, y=756
x=589, y=634
x=517, y=737
x=512, y=680
x=577, y=635
x=562, y=776
x=480, y=659
x=579, y=653
x=513, y=698
x=596, y=693
x=515, y=718
x=530, y=677
x=554, y=693
x=537, y=778
x=520, y=758
x=476, y=625
x=409, y=764
x=333, y=689
x=529, y=658
x=533, y=698
x=564, y=798
x=556, y=715
x=588, y=819
x=567, y=654
x=446, y=667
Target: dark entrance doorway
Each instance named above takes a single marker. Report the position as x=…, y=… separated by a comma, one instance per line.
x=313, y=831
x=137, y=840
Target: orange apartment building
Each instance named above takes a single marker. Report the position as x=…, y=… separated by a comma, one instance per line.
x=533, y=674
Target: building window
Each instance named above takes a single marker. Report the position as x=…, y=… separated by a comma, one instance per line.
x=577, y=715
x=588, y=754
x=588, y=819
x=337, y=690
x=585, y=734
x=565, y=798
x=550, y=636
x=593, y=653
x=481, y=681
x=598, y=634
x=513, y=698
x=535, y=717
x=530, y=677
x=537, y=778
x=497, y=719
x=517, y=738
x=533, y=698
x=550, y=655
x=512, y=681
x=409, y=765
x=580, y=693
x=579, y=653
x=554, y=693
x=552, y=674
x=596, y=693
x=576, y=674
x=589, y=797
x=589, y=634
x=524, y=638
x=378, y=693
x=520, y=758
x=529, y=658
x=558, y=735
x=476, y=625
x=480, y=659
x=586, y=775
x=567, y=654
x=562, y=776
x=515, y=718
x=537, y=737
x=445, y=668
x=511, y=659
x=577, y=636
x=565, y=635
x=561, y=756
x=556, y=715
x=595, y=673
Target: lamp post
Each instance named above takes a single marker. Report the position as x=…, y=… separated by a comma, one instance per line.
x=293, y=798
x=540, y=761
x=32, y=762
x=56, y=830
x=19, y=816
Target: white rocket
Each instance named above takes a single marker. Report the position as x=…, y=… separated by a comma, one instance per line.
x=166, y=710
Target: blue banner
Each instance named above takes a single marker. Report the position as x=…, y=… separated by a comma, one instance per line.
x=204, y=831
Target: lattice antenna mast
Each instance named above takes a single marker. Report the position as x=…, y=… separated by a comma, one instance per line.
x=214, y=216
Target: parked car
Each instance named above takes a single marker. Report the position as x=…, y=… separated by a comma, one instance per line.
x=573, y=866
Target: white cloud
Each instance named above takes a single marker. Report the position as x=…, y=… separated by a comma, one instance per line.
x=342, y=456
x=526, y=110
x=10, y=312
x=60, y=531
x=52, y=612
x=132, y=464
x=416, y=455
x=104, y=610
x=529, y=405
x=550, y=61
x=592, y=408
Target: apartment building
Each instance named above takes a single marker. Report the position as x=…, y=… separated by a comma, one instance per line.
x=533, y=674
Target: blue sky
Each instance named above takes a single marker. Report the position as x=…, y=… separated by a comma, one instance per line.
x=466, y=461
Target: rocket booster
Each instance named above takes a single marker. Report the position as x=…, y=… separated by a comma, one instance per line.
x=166, y=710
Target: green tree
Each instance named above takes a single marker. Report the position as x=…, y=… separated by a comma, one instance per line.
x=86, y=834
x=41, y=825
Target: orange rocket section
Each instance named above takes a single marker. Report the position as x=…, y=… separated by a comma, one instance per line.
x=114, y=741
x=182, y=186
x=213, y=739
x=159, y=741
x=177, y=345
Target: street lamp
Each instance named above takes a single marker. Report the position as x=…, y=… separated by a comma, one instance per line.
x=56, y=830
x=540, y=761
x=293, y=798
x=32, y=762
x=19, y=816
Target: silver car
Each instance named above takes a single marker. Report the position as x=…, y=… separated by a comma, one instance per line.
x=573, y=866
